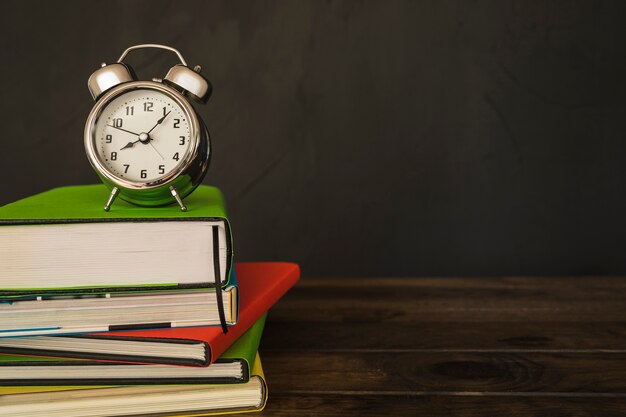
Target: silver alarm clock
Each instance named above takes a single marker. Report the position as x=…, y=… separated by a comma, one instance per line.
x=143, y=138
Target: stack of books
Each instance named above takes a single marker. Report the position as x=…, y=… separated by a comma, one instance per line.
x=134, y=312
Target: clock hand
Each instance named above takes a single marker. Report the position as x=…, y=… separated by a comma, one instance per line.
x=130, y=144
x=143, y=138
x=124, y=130
x=157, y=151
x=148, y=139
x=159, y=122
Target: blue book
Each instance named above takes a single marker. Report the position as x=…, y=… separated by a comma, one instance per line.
x=73, y=314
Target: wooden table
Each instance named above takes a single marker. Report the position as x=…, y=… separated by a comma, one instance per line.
x=448, y=347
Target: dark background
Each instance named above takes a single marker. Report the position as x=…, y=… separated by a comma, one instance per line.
x=365, y=138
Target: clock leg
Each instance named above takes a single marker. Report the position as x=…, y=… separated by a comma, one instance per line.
x=114, y=192
x=178, y=199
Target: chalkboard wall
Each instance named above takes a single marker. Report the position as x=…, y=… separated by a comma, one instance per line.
x=361, y=138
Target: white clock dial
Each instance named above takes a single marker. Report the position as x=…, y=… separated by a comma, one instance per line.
x=142, y=135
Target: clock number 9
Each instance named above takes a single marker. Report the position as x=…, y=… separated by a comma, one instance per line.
x=109, y=138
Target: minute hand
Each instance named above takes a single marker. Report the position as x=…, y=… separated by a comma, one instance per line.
x=159, y=122
x=124, y=130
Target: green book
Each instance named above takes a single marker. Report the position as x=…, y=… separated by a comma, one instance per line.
x=63, y=242
x=234, y=366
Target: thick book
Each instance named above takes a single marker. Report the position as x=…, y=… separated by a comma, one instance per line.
x=62, y=242
x=143, y=400
x=261, y=284
x=233, y=366
x=57, y=315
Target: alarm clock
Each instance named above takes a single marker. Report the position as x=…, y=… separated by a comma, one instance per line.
x=143, y=137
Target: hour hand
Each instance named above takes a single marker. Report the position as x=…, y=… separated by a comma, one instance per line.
x=129, y=145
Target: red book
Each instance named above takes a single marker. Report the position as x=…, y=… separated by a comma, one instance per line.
x=261, y=284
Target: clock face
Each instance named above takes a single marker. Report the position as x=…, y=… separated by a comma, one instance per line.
x=142, y=135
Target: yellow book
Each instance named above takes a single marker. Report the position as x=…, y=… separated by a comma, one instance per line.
x=138, y=400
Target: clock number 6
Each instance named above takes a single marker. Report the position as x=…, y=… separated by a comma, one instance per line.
x=144, y=173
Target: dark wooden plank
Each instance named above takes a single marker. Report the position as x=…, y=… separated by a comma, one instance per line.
x=372, y=405
x=372, y=300
x=429, y=313
x=464, y=336
x=409, y=372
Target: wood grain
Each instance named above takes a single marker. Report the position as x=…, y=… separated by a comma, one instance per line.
x=572, y=299
x=448, y=346
x=373, y=405
x=447, y=372
x=463, y=336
